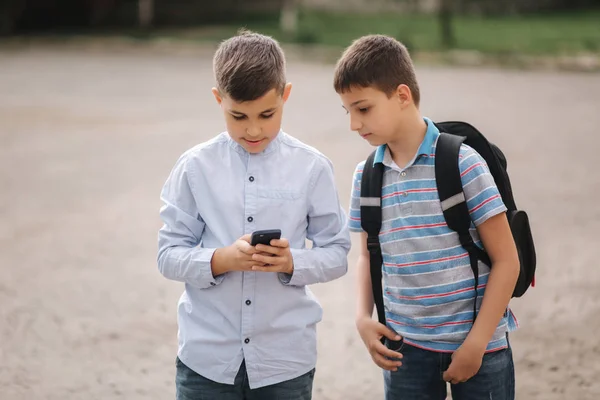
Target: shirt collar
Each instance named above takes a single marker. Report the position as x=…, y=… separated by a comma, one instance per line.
x=383, y=155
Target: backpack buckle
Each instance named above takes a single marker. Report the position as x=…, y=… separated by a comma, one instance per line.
x=373, y=243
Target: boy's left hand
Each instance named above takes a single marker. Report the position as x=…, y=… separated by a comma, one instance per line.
x=466, y=362
x=278, y=257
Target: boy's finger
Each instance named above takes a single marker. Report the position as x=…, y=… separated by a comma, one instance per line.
x=268, y=249
x=251, y=265
x=448, y=374
x=386, y=364
x=246, y=248
x=388, y=352
x=388, y=333
x=246, y=238
x=381, y=349
x=264, y=259
x=282, y=243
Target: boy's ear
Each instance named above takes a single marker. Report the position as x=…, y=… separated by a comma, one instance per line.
x=286, y=91
x=217, y=95
x=404, y=94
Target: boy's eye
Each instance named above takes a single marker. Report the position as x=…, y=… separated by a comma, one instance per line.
x=363, y=110
x=238, y=117
x=267, y=116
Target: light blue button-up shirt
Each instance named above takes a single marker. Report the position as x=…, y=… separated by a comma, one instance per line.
x=216, y=193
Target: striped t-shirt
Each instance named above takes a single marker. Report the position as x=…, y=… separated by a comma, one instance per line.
x=428, y=281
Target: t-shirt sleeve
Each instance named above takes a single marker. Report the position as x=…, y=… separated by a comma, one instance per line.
x=483, y=198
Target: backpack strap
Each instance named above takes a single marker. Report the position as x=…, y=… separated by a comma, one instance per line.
x=370, y=220
x=454, y=203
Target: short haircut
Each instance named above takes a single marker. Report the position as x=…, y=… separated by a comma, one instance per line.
x=249, y=65
x=379, y=61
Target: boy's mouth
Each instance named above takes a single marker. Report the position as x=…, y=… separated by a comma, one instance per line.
x=365, y=135
x=254, y=142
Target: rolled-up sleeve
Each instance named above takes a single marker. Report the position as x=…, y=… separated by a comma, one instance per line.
x=327, y=229
x=180, y=254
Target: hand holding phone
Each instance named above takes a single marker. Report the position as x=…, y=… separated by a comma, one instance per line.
x=236, y=257
x=275, y=254
x=264, y=236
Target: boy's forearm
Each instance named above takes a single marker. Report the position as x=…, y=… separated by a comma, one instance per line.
x=189, y=265
x=364, y=301
x=327, y=229
x=499, y=289
x=318, y=265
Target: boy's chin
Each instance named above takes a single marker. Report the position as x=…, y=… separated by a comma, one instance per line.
x=375, y=141
x=253, y=150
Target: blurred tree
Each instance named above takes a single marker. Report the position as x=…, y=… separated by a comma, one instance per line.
x=145, y=13
x=10, y=12
x=445, y=12
x=446, y=9
x=99, y=10
x=505, y=7
x=289, y=16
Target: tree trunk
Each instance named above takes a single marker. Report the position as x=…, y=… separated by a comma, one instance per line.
x=289, y=16
x=446, y=29
x=145, y=13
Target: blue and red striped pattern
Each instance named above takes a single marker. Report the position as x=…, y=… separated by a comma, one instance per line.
x=428, y=282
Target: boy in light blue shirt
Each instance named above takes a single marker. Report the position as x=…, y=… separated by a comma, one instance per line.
x=247, y=318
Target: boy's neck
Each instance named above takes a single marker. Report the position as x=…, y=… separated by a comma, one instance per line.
x=408, y=140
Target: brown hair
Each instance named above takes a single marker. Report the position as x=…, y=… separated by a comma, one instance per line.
x=379, y=61
x=248, y=65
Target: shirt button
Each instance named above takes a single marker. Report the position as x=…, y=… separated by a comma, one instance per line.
x=403, y=173
x=248, y=302
x=250, y=219
x=212, y=284
x=246, y=340
x=251, y=179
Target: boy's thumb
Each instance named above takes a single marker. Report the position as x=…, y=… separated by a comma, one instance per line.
x=447, y=377
x=390, y=334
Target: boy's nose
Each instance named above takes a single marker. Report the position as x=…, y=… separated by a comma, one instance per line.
x=253, y=131
x=355, y=124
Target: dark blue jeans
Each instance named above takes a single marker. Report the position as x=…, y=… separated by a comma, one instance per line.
x=420, y=377
x=191, y=386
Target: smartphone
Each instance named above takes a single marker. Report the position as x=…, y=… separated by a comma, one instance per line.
x=265, y=236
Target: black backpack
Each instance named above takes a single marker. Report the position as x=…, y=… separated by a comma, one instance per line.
x=454, y=205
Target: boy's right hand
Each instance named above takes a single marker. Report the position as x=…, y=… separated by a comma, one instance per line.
x=237, y=257
x=371, y=332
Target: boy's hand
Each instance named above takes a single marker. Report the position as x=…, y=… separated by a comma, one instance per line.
x=274, y=258
x=237, y=257
x=371, y=332
x=466, y=362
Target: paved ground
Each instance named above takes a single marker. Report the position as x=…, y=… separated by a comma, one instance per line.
x=88, y=137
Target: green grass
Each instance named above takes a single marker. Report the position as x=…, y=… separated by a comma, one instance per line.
x=535, y=35
x=499, y=38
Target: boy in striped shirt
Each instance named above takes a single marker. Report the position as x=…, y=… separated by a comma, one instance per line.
x=428, y=282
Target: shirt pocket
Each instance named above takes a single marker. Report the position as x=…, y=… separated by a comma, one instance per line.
x=280, y=195
x=286, y=206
